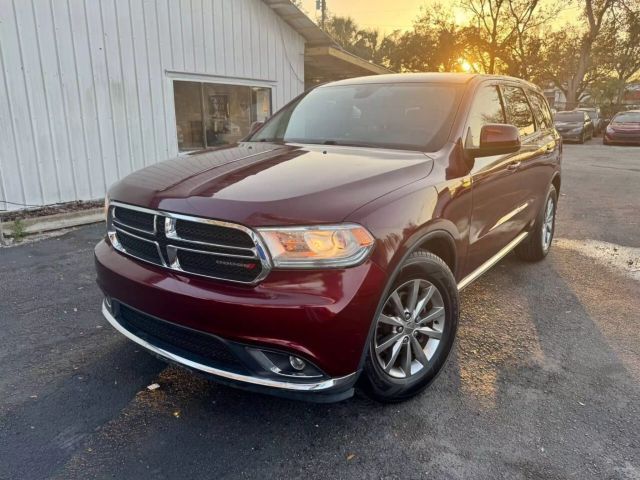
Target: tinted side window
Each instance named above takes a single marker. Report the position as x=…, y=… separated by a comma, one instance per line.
x=518, y=111
x=543, y=117
x=486, y=108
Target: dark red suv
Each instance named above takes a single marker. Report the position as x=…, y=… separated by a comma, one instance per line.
x=328, y=248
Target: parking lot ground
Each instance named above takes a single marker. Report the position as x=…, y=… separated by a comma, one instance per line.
x=544, y=381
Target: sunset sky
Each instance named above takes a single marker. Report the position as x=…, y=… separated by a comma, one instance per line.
x=389, y=15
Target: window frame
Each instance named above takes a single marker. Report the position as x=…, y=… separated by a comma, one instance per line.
x=173, y=76
x=545, y=108
x=476, y=92
x=533, y=116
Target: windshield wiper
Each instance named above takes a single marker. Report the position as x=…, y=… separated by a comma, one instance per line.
x=350, y=144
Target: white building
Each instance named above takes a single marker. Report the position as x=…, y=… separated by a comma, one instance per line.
x=91, y=90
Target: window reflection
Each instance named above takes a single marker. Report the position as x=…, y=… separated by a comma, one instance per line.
x=486, y=109
x=211, y=114
x=518, y=111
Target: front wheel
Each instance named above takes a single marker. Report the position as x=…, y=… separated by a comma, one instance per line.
x=536, y=246
x=415, y=330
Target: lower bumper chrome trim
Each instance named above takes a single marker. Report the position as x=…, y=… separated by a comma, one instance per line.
x=478, y=272
x=319, y=386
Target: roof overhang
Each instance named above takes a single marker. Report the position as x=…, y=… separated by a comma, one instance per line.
x=313, y=35
x=330, y=63
x=324, y=59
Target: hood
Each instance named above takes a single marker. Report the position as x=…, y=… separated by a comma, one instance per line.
x=568, y=124
x=259, y=184
x=625, y=127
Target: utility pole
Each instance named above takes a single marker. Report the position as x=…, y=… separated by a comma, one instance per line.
x=322, y=6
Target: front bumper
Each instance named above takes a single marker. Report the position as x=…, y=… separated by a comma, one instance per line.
x=621, y=139
x=322, y=317
x=571, y=136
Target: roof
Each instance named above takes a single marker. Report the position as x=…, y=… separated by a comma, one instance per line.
x=323, y=56
x=436, y=77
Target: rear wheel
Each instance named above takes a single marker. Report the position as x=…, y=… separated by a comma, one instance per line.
x=415, y=330
x=536, y=246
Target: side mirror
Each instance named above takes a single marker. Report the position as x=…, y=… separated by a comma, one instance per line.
x=497, y=139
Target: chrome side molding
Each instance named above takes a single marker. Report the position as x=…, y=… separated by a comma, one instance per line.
x=478, y=272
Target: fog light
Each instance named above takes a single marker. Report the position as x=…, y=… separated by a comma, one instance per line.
x=297, y=363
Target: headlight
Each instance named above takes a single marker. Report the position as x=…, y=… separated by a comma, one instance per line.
x=331, y=246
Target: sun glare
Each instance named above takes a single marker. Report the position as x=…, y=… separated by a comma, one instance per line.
x=464, y=65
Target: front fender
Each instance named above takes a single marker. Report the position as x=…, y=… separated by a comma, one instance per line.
x=404, y=219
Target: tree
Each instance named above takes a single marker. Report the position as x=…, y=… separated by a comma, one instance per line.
x=577, y=80
x=434, y=44
x=487, y=32
x=619, y=47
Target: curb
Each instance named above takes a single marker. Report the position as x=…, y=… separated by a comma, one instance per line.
x=57, y=221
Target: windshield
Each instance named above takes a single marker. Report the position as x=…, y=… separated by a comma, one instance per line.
x=569, y=117
x=627, y=117
x=410, y=116
x=591, y=112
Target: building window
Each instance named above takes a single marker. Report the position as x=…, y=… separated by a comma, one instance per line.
x=212, y=114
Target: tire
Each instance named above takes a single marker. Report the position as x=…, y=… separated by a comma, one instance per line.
x=535, y=247
x=385, y=377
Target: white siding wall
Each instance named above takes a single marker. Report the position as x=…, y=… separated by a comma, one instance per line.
x=85, y=85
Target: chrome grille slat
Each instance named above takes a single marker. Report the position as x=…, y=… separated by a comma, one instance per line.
x=124, y=249
x=205, y=252
x=240, y=264
x=134, y=223
x=172, y=234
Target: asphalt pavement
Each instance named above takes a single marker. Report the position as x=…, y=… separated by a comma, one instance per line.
x=544, y=381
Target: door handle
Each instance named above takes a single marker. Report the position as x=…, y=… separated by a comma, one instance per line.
x=550, y=148
x=513, y=166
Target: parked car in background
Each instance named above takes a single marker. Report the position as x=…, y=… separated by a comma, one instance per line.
x=596, y=118
x=329, y=247
x=574, y=125
x=624, y=128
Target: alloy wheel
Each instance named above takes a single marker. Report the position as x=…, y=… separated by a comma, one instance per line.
x=547, y=227
x=409, y=328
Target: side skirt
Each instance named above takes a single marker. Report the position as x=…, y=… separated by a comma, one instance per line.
x=478, y=272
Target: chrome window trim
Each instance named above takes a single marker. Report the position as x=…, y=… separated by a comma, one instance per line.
x=253, y=380
x=260, y=251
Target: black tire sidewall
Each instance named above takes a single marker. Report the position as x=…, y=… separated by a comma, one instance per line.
x=550, y=194
x=379, y=384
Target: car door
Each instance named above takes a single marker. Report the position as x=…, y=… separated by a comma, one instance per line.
x=496, y=186
x=538, y=169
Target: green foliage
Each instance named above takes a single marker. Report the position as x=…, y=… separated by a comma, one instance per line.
x=18, y=230
x=512, y=37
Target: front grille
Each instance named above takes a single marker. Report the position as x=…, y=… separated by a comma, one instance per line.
x=143, y=249
x=202, y=232
x=134, y=219
x=232, y=268
x=203, y=247
x=178, y=339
